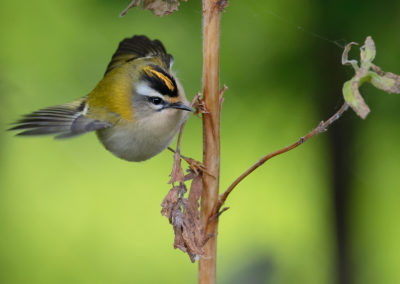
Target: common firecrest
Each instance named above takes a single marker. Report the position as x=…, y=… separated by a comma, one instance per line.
x=136, y=109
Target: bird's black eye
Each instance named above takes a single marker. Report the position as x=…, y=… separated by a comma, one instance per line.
x=156, y=100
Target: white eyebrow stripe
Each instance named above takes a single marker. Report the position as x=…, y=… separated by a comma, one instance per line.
x=144, y=89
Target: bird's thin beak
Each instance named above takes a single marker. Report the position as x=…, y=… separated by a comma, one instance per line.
x=181, y=106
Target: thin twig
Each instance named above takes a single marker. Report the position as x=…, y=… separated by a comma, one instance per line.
x=320, y=128
x=177, y=172
x=217, y=214
x=132, y=4
x=178, y=143
x=194, y=165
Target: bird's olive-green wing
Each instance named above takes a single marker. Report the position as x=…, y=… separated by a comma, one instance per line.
x=139, y=46
x=66, y=120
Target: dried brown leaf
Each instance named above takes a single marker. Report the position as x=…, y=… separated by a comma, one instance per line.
x=195, y=166
x=183, y=214
x=177, y=174
x=189, y=176
x=161, y=7
x=179, y=241
x=198, y=105
x=188, y=234
x=158, y=7
x=194, y=195
x=171, y=202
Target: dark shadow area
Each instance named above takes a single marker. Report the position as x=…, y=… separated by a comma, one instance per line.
x=257, y=271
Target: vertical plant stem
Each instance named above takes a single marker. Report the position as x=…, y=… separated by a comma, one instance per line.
x=211, y=137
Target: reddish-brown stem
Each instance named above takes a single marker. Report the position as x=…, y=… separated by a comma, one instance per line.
x=211, y=137
x=320, y=128
x=178, y=142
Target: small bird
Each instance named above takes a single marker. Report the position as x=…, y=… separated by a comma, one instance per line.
x=136, y=109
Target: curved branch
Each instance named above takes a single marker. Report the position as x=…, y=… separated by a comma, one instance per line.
x=319, y=129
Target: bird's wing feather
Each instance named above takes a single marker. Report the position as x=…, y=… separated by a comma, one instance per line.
x=138, y=47
x=66, y=120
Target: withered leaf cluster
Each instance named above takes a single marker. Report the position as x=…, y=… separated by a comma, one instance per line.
x=183, y=213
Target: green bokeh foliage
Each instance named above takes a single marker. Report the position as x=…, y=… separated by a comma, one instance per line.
x=70, y=212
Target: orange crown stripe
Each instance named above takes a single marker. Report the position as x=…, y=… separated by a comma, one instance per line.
x=164, y=78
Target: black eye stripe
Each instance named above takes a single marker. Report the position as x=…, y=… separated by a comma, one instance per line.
x=165, y=86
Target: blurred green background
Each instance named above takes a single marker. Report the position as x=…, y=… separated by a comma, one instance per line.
x=327, y=212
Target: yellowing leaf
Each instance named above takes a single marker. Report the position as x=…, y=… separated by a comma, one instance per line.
x=354, y=99
x=367, y=53
x=386, y=81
